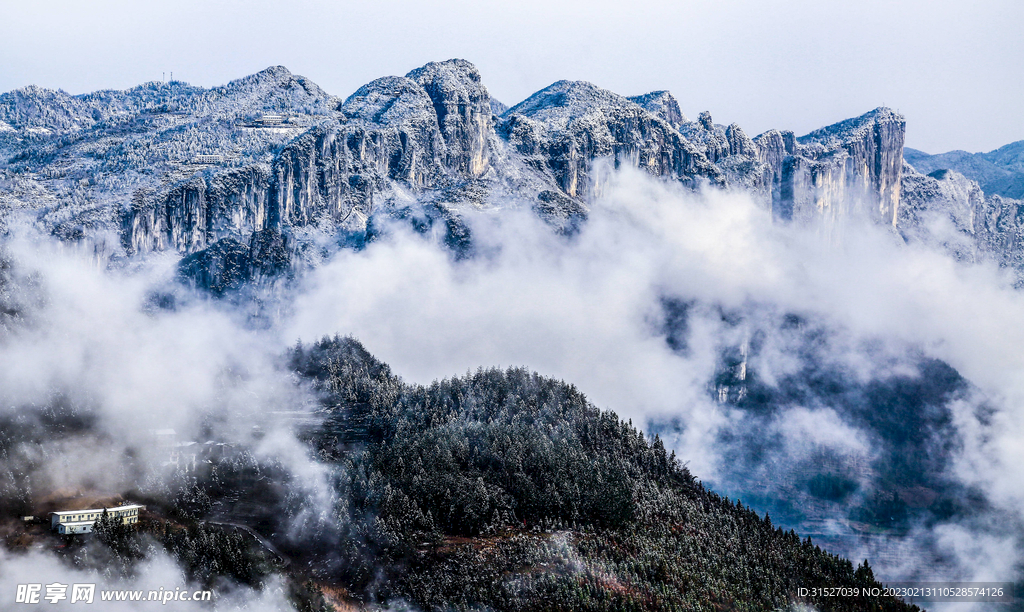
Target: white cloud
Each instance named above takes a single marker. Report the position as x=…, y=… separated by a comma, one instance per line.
x=584, y=309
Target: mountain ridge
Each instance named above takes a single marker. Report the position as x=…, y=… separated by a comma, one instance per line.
x=998, y=172
x=168, y=151
x=168, y=166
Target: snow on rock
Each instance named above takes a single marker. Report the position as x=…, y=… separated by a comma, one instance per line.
x=947, y=209
x=170, y=166
x=999, y=172
x=463, y=110
x=570, y=123
x=856, y=160
x=44, y=110
x=662, y=104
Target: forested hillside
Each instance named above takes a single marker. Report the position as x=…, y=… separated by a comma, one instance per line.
x=506, y=490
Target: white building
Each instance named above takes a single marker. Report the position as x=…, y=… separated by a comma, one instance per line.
x=82, y=521
x=268, y=120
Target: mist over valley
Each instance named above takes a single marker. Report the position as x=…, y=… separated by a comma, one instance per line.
x=419, y=349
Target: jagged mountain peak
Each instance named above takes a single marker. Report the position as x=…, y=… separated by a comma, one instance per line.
x=833, y=135
x=739, y=142
x=454, y=81
x=433, y=135
x=569, y=123
x=662, y=104
x=719, y=143
x=463, y=110
x=705, y=121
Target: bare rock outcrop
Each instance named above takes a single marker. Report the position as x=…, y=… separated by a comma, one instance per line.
x=853, y=163
x=195, y=213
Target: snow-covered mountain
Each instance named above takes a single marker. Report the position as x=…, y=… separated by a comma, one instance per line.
x=822, y=380
x=999, y=172
x=270, y=160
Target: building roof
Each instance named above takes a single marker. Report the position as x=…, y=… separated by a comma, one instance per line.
x=99, y=510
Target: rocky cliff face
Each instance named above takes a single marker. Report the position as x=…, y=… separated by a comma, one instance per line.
x=961, y=204
x=774, y=147
x=463, y=111
x=191, y=169
x=950, y=210
x=427, y=130
x=869, y=150
x=394, y=139
x=195, y=213
x=852, y=166
x=664, y=105
x=732, y=152
x=387, y=130
x=168, y=165
x=563, y=128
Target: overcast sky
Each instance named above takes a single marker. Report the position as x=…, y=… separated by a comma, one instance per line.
x=954, y=69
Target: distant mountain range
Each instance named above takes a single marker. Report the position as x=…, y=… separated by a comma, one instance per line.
x=999, y=172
